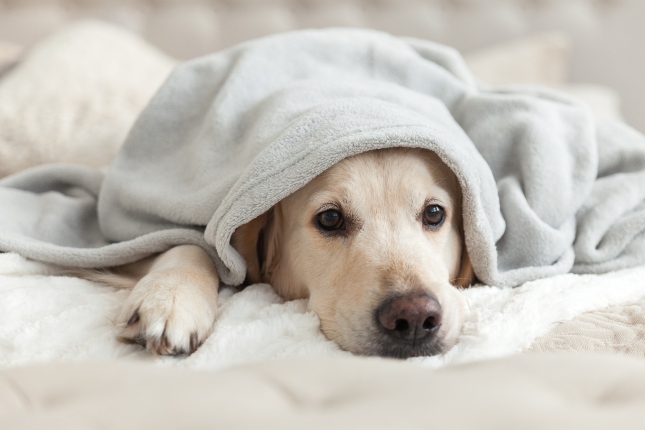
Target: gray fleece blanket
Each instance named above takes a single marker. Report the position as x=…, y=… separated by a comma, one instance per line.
x=546, y=189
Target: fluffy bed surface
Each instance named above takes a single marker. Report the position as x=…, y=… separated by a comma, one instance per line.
x=619, y=329
x=49, y=318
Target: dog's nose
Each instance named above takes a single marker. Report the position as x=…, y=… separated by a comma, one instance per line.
x=411, y=317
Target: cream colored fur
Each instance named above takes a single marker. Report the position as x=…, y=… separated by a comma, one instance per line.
x=171, y=309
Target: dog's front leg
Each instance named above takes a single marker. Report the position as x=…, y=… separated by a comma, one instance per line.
x=171, y=310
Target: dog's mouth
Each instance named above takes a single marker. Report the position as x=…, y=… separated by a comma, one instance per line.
x=386, y=347
x=377, y=342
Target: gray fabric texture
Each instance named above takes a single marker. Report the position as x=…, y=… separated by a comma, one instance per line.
x=546, y=189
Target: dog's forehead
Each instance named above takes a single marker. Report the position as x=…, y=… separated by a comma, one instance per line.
x=396, y=176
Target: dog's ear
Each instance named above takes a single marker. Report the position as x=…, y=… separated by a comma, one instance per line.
x=466, y=276
x=269, y=244
x=245, y=241
x=258, y=243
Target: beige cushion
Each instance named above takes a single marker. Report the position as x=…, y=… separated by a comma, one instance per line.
x=528, y=392
x=604, y=102
x=542, y=59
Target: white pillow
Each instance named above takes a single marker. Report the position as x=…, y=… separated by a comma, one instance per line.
x=543, y=59
x=603, y=101
x=74, y=96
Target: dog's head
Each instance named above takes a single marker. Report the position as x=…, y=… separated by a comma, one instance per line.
x=376, y=244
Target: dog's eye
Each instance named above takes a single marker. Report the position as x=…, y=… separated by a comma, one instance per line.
x=433, y=215
x=330, y=220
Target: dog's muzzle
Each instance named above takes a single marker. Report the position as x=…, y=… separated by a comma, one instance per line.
x=409, y=324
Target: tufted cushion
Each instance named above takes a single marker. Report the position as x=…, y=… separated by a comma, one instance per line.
x=526, y=392
x=606, y=34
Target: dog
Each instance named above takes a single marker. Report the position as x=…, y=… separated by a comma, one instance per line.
x=375, y=243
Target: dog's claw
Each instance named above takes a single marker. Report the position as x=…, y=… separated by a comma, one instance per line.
x=161, y=345
x=155, y=315
x=153, y=345
x=194, y=342
x=134, y=318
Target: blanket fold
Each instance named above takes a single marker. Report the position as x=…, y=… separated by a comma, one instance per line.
x=546, y=189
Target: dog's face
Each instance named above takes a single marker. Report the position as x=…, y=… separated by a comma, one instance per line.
x=375, y=243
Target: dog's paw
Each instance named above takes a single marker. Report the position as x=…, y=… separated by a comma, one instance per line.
x=170, y=312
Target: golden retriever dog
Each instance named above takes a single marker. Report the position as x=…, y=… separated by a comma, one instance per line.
x=375, y=243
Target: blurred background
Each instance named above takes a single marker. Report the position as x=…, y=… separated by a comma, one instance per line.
x=601, y=39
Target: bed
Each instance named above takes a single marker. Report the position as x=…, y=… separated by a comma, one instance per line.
x=46, y=319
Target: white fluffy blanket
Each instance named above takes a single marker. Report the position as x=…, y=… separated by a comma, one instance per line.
x=45, y=318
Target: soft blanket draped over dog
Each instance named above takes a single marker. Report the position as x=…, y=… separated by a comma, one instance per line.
x=546, y=190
